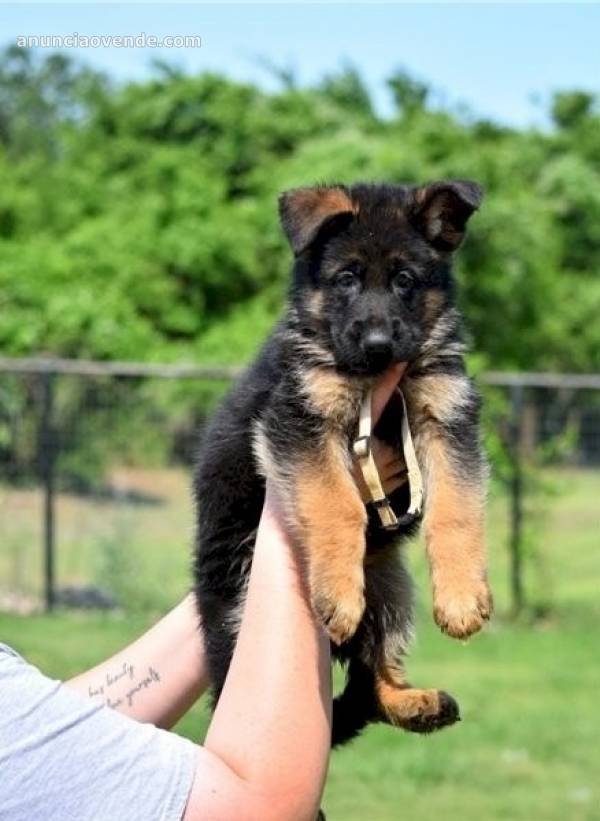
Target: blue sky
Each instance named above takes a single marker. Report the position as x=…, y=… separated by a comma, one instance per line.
x=494, y=58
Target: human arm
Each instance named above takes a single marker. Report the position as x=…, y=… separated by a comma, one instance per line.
x=266, y=751
x=267, y=747
x=159, y=676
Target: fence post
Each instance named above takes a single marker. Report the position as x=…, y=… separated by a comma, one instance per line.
x=47, y=456
x=516, y=502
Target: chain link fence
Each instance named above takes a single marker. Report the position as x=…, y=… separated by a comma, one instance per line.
x=94, y=480
x=95, y=460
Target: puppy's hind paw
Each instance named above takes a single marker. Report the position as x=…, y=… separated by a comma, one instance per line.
x=419, y=711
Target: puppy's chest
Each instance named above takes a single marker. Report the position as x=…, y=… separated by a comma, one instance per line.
x=334, y=397
x=337, y=399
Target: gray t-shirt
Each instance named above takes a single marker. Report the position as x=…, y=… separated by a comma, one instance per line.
x=66, y=758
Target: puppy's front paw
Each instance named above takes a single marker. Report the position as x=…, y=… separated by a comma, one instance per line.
x=462, y=612
x=340, y=609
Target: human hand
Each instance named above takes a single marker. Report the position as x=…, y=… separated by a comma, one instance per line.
x=390, y=463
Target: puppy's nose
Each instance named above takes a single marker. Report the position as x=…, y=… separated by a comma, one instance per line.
x=377, y=347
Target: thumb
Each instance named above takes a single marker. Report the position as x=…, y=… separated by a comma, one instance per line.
x=384, y=388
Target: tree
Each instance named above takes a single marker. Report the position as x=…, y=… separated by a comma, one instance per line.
x=570, y=107
x=140, y=221
x=409, y=94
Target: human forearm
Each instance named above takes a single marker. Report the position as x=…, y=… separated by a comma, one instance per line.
x=158, y=677
x=272, y=723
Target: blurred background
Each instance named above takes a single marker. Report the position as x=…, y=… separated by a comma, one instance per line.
x=141, y=266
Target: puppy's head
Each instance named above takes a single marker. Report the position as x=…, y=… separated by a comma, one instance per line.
x=372, y=265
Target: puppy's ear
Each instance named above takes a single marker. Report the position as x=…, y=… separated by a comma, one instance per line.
x=304, y=211
x=441, y=210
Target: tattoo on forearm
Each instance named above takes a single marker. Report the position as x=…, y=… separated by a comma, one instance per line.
x=143, y=684
x=126, y=671
x=125, y=674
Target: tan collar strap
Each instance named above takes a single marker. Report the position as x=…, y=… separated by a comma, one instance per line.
x=364, y=457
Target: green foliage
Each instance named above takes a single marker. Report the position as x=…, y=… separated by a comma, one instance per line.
x=570, y=107
x=409, y=94
x=139, y=222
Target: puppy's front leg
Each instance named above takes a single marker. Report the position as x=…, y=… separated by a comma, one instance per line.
x=446, y=413
x=454, y=532
x=324, y=511
x=331, y=520
x=302, y=446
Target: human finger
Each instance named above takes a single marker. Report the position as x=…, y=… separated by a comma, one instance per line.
x=384, y=389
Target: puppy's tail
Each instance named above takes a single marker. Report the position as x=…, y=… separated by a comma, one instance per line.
x=347, y=723
x=355, y=707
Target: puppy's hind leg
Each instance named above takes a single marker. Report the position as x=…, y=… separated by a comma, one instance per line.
x=398, y=702
x=413, y=709
x=387, y=618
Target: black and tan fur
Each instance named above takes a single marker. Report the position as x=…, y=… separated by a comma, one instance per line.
x=371, y=285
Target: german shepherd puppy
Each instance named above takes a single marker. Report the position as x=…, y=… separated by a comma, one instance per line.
x=371, y=286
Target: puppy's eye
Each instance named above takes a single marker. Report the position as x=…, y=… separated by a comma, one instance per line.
x=346, y=280
x=403, y=281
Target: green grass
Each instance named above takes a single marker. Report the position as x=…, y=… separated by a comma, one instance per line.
x=527, y=747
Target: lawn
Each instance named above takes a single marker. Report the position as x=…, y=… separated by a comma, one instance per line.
x=527, y=747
